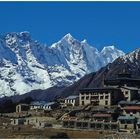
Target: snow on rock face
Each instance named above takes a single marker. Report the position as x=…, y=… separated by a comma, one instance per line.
x=110, y=53
x=27, y=65
x=133, y=57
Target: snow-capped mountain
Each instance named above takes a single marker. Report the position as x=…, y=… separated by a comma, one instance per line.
x=129, y=63
x=26, y=64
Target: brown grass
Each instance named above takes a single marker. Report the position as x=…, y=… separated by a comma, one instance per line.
x=77, y=133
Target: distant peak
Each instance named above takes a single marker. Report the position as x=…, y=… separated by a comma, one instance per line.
x=84, y=41
x=24, y=33
x=14, y=37
x=18, y=34
x=68, y=37
x=109, y=47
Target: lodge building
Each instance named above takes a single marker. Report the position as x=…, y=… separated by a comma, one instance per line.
x=100, y=96
x=124, y=87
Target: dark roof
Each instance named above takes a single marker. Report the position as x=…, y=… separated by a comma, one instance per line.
x=117, y=81
x=123, y=79
x=23, y=104
x=99, y=89
x=130, y=88
x=102, y=115
x=128, y=75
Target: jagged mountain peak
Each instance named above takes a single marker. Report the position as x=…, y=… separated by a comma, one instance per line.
x=108, y=48
x=132, y=56
x=27, y=65
x=111, y=53
x=24, y=34
x=84, y=41
x=69, y=41
x=68, y=36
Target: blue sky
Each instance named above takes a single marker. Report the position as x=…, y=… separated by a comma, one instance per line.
x=101, y=23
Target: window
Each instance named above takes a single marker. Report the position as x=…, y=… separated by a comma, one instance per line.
x=83, y=102
x=106, y=102
x=126, y=92
x=106, y=92
x=92, y=125
x=94, y=97
x=82, y=98
x=129, y=121
x=125, y=127
x=101, y=97
x=106, y=97
x=122, y=121
x=94, y=102
x=87, y=97
x=134, y=112
x=85, y=124
x=68, y=100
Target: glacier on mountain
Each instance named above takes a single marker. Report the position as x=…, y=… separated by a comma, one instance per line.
x=27, y=65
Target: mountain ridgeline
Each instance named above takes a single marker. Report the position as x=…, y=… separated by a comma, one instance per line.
x=27, y=65
x=130, y=63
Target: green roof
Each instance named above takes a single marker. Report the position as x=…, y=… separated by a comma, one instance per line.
x=126, y=118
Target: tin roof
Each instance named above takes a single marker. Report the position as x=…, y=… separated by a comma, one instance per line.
x=38, y=103
x=72, y=97
x=138, y=103
x=49, y=103
x=126, y=117
x=138, y=122
x=127, y=102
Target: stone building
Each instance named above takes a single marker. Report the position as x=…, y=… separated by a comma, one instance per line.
x=138, y=126
x=124, y=87
x=43, y=124
x=100, y=96
x=18, y=121
x=30, y=121
x=132, y=110
x=35, y=105
x=22, y=107
x=128, y=85
x=72, y=101
x=50, y=106
x=127, y=123
x=90, y=124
